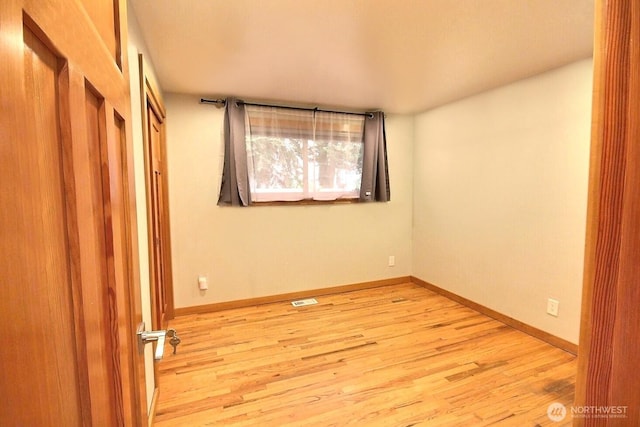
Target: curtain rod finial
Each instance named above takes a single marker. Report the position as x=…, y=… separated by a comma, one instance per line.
x=219, y=103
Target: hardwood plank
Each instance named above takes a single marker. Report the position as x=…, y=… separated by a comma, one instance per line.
x=392, y=355
x=528, y=329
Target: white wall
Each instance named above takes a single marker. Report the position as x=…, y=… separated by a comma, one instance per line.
x=488, y=201
x=136, y=45
x=259, y=251
x=500, y=194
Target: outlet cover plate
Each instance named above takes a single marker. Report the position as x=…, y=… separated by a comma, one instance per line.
x=553, y=306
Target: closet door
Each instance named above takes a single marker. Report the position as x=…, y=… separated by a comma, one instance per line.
x=69, y=296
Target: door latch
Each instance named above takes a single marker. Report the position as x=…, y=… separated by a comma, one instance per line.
x=145, y=337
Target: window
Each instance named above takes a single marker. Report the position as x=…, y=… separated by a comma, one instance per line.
x=292, y=154
x=295, y=154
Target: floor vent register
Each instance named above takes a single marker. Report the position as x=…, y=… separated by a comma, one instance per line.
x=303, y=302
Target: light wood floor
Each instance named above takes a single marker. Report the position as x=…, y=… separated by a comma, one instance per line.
x=392, y=356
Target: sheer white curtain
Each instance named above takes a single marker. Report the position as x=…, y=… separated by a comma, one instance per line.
x=277, y=143
x=296, y=154
x=337, y=155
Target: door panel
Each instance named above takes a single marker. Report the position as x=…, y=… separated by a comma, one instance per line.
x=127, y=340
x=29, y=287
x=69, y=292
x=159, y=291
x=102, y=319
x=157, y=200
x=104, y=15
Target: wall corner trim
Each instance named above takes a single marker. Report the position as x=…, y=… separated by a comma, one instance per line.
x=516, y=324
x=210, y=308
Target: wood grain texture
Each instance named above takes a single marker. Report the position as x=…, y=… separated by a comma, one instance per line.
x=36, y=298
x=97, y=293
x=66, y=22
x=157, y=197
x=393, y=355
x=159, y=259
x=608, y=373
x=103, y=14
x=120, y=259
x=66, y=268
x=625, y=389
x=521, y=326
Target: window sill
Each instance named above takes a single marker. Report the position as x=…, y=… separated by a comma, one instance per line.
x=306, y=202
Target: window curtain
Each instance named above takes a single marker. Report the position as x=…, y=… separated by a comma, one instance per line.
x=375, y=169
x=277, y=144
x=234, y=189
x=235, y=185
x=338, y=154
x=302, y=154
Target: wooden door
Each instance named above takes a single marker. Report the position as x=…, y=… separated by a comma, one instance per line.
x=157, y=206
x=68, y=294
x=609, y=356
x=158, y=210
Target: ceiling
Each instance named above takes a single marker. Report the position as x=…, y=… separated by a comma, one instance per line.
x=401, y=56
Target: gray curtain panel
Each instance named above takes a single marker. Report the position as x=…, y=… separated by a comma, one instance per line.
x=375, y=168
x=234, y=189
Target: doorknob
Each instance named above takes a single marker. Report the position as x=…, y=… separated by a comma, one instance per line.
x=145, y=337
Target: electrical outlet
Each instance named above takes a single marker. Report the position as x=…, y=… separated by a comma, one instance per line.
x=392, y=260
x=203, y=283
x=552, y=307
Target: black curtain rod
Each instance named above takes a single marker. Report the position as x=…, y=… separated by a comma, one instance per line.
x=212, y=101
x=223, y=101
